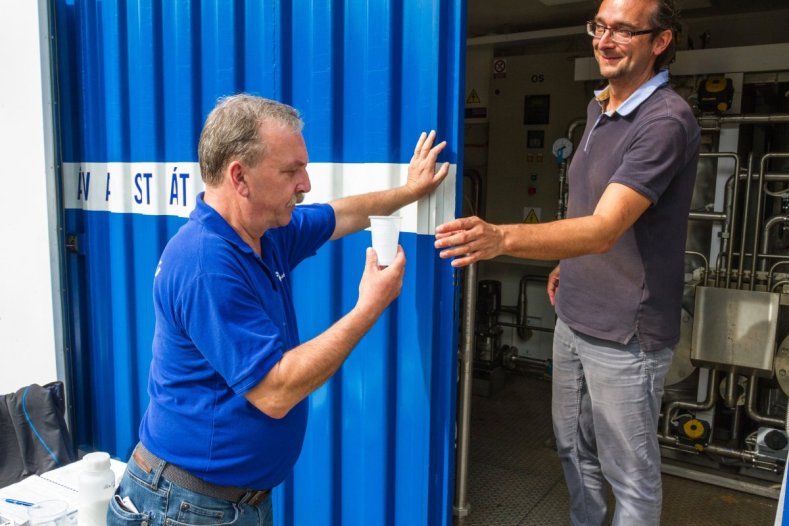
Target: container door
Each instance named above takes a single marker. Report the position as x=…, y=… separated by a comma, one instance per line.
x=136, y=79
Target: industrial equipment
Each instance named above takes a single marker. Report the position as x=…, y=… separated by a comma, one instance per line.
x=491, y=356
x=727, y=409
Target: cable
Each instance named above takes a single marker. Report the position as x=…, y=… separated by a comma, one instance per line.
x=35, y=431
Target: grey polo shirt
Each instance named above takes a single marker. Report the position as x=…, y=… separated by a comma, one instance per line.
x=650, y=144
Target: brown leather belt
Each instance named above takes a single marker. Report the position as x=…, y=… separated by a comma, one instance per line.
x=148, y=462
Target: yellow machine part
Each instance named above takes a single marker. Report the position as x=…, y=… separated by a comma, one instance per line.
x=693, y=429
x=715, y=84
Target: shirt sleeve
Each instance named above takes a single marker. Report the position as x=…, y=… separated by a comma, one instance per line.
x=231, y=329
x=655, y=156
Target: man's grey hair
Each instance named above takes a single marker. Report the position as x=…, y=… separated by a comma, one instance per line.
x=231, y=132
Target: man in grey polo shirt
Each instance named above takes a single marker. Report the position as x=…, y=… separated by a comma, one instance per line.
x=621, y=250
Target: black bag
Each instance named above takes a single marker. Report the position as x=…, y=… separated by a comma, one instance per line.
x=33, y=433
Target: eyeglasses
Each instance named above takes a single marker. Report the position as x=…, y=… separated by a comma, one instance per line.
x=620, y=36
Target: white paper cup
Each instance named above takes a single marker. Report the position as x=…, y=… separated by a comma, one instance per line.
x=48, y=513
x=386, y=232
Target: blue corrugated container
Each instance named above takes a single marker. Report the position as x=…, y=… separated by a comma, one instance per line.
x=136, y=78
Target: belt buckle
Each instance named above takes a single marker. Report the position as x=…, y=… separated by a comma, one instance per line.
x=256, y=497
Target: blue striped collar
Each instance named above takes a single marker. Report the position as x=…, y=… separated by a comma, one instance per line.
x=638, y=96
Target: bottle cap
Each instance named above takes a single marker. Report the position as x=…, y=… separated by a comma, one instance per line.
x=98, y=461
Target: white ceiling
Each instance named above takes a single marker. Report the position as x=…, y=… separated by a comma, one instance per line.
x=495, y=17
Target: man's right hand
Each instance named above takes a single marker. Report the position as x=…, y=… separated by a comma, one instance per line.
x=469, y=239
x=380, y=286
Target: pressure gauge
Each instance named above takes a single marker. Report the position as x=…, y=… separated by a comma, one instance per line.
x=562, y=149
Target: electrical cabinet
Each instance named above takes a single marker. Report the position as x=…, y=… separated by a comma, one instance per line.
x=532, y=104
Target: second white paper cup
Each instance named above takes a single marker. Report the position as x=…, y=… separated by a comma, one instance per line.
x=386, y=232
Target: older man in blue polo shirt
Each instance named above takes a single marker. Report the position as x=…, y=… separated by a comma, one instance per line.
x=229, y=377
x=621, y=252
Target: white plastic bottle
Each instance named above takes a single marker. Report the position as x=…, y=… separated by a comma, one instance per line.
x=96, y=487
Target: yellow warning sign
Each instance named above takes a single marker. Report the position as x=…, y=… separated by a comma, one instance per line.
x=531, y=216
x=473, y=98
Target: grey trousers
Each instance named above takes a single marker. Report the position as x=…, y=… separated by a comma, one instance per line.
x=606, y=404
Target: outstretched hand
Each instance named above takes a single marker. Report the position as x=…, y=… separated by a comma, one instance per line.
x=422, y=175
x=469, y=239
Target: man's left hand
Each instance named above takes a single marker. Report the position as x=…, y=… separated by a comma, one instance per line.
x=422, y=175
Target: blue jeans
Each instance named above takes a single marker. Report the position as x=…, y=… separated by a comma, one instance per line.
x=160, y=503
x=606, y=404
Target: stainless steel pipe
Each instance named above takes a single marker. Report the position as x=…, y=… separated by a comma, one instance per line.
x=750, y=406
x=744, y=232
x=708, y=403
x=461, y=507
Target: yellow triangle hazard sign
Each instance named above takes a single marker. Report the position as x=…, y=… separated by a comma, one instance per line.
x=473, y=98
x=531, y=217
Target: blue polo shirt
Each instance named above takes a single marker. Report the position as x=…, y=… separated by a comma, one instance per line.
x=650, y=144
x=224, y=317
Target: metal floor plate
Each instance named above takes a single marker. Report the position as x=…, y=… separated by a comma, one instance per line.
x=515, y=478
